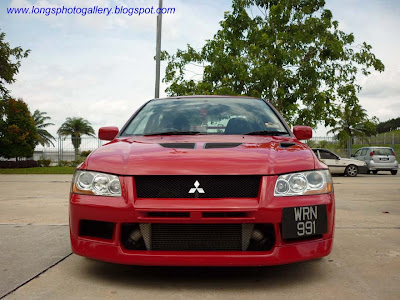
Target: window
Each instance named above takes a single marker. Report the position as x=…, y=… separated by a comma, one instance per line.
x=206, y=116
x=327, y=155
x=383, y=151
x=363, y=152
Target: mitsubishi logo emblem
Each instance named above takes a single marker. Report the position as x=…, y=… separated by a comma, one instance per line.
x=196, y=188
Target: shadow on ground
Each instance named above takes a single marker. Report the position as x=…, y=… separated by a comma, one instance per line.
x=209, y=278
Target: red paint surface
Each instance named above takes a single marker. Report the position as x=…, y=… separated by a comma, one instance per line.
x=108, y=133
x=302, y=132
x=258, y=155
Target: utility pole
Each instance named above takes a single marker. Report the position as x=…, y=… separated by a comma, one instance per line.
x=158, y=49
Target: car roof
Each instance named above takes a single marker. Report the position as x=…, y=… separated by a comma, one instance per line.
x=205, y=96
x=379, y=147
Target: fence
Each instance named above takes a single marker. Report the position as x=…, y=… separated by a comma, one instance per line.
x=351, y=145
x=388, y=138
x=64, y=149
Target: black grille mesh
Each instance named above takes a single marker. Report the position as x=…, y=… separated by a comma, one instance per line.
x=221, y=145
x=178, y=145
x=196, y=237
x=232, y=186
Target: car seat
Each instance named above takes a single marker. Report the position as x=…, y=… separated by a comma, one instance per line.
x=181, y=123
x=237, y=126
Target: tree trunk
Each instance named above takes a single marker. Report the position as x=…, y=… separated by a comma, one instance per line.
x=349, y=146
x=76, y=153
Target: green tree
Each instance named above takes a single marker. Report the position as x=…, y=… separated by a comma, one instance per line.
x=290, y=52
x=44, y=137
x=10, y=61
x=76, y=127
x=18, y=133
x=354, y=122
x=389, y=125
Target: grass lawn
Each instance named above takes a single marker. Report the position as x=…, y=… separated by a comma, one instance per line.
x=396, y=133
x=40, y=170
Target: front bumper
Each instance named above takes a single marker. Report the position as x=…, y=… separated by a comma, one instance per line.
x=279, y=255
x=265, y=209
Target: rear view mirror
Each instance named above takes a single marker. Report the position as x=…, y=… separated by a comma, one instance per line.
x=108, y=133
x=302, y=132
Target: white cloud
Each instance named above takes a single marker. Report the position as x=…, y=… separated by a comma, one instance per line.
x=102, y=68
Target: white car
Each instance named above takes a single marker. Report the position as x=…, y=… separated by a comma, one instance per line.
x=339, y=165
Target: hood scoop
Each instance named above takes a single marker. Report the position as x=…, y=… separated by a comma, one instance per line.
x=221, y=145
x=178, y=145
x=286, y=145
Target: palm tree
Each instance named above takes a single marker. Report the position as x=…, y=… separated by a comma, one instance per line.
x=354, y=122
x=44, y=137
x=76, y=127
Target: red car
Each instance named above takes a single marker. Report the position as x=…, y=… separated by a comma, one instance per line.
x=203, y=181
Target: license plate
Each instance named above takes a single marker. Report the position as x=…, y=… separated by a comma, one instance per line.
x=384, y=158
x=304, y=221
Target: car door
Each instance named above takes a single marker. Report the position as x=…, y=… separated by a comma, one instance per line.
x=363, y=154
x=332, y=161
x=357, y=155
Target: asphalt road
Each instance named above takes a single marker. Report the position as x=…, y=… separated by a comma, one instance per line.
x=36, y=260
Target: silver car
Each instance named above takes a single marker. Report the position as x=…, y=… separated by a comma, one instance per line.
x=378, y=159
x=340, y=165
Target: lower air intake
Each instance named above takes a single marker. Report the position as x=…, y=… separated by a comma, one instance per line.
x=197, y=237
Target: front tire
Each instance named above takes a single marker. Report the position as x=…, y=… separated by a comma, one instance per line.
x=351, y=171
x=394, y=172
x=374, y=172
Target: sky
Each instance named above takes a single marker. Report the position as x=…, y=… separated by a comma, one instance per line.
x=102, y=68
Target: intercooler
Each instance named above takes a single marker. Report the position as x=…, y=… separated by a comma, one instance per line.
x=196, y=237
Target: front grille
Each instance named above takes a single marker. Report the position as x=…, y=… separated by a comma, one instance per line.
x=208, y=186
x=197, y=237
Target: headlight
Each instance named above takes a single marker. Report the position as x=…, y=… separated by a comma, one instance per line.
x=95, y=183
x=303, y=183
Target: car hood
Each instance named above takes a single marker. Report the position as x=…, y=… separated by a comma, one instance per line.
x=164, y=155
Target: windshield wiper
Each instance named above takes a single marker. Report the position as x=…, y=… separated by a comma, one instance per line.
x=174, y=133
x=266, y=132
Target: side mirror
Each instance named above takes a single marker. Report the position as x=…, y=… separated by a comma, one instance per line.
x=108, y=133
x=302, y=132
x=352, y=155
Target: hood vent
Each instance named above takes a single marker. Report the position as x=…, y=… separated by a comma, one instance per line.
x=221, y=145
x=178, y=145
x=286, y=145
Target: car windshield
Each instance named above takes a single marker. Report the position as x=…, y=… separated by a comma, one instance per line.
x=383, y=151
x=205, y=116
